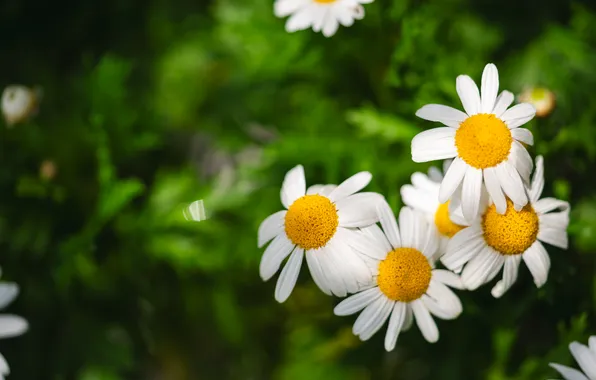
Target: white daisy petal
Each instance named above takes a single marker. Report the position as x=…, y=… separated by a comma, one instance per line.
x=418, y=199
x=272, y=226
x=358, y=210
x=293, y=187
x=537, y=180
x=283, y=8
x=585, y=359
x=434, y=144
x=425, y=321
x=351, y=266
x=489, y=88
x=449, y=116
x=350, y=186
x=300, y=20
x=377, y=322
x=409, y=319
x=369, y=315
x=503, y=101
x=357, y=302
x=471, y=191
x=546, y=205
x=521, y=160
x=463, y=246
x=524, y=135
x=289, y=275
x=448, y=278
x=8, y=292
x=553, y=236
x=314, y=189
x=329, y=264
x=453, y=178
x=319, y=16
x=482, y=268
x=511, y=183
x=510, y=270
x=441, y=301
x=398, y=317
x=538, y=262
x=592, y=345
x=468, y=94
x=389, y=224
x=518, y=115
x=568, y=373
x=330, y=26
x=491, y=182
x=316, y=271
x=344, y=16
x=430, y=241
x=422, y=181
x=274, y=255
x=407, y=229
x=435, y=175
x=375, y=232
x=358, y=11
x=368, y=245
x=12, y=325
x=4, y=369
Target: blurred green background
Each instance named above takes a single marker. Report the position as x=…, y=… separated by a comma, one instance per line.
x=150, y=105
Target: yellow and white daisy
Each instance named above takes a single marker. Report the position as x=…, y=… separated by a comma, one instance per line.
x=320, y=223
x=10, y=325
x=406, y=286
x=423, y=196
x=494, y=240
x=485, y=142
x=585, y=356
x=321, y=15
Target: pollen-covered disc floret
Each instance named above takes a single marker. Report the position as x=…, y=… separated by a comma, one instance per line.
x=311, y=221
x=404, y=275
x=512, y=233
x=443, y=222
x=483, y=141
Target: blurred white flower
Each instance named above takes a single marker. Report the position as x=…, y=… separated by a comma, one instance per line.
x=10, y=325
x=19, y=103
x=321, y=15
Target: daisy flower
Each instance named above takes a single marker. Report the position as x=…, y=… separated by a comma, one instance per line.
x=485, y=142
x=502, y=240
x=320, y=224
x=423, y=196
x=321, y=15
x=10, y=325
x=406, y=286
x=585, y=357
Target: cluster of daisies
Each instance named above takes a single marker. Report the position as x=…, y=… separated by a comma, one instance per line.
x=481, y=215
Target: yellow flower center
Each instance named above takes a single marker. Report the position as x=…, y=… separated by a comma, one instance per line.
x=444, y=224
x=324, y=1
x=311, y=221
x=512, y=233
x=404, y=275
x=483, y=141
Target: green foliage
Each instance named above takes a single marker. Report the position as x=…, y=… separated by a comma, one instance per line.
x=149, y=106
